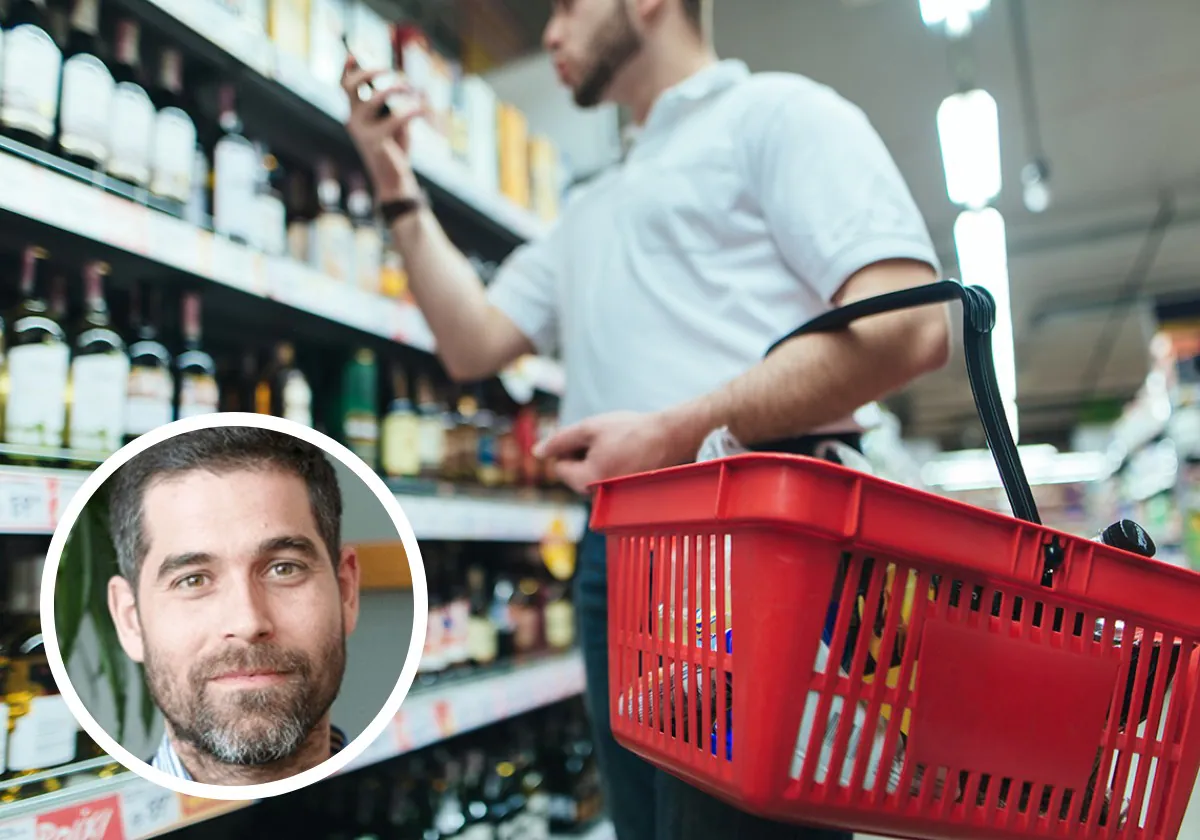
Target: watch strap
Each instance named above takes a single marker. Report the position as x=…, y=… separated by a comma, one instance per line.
x=398, y=208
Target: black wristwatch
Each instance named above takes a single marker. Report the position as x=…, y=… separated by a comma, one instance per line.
x=398, y=208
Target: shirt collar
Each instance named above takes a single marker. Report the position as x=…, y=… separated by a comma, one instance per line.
x=167, y=760
x=714, y=79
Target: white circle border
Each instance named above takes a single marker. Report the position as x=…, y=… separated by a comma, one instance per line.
x=347, y=754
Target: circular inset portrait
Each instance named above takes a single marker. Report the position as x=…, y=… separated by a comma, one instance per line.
x=206, y=610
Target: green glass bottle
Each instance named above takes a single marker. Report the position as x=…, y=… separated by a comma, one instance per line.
x=360, y=407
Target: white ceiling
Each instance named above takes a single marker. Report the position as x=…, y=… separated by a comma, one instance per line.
x=1117, y=86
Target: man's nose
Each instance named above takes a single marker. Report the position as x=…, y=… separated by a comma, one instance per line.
x=247, y=613
x=552, y=34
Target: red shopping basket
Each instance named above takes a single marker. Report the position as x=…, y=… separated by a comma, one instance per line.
x=904, y=664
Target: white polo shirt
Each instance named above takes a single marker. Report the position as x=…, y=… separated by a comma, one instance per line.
x=744, y=205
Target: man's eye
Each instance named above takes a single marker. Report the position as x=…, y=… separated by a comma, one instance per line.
x=191, y=582
x=284, y=569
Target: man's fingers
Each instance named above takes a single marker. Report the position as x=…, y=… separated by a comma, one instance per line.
x=354, y=78
x=381, y=96
x=565, y=442
x=575, y=474
x=397, y=121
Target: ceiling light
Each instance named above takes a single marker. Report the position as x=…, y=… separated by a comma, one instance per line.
x=954, y=15
x=975, y=469
x=969, y=133
x=982, y=244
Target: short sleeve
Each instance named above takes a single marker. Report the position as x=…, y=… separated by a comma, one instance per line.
x=525, y=290
x=830, y=192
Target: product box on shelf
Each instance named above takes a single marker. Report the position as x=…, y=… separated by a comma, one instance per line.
x=514, y=154
x=287, y=24
x=326, y=26
x=478, y=105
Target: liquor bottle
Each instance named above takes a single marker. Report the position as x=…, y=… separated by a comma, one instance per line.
x=87, y=89
x=360, y=407
x=449, y=817
x=525, y=435
x=283, y=391
x=433, y=656
x=487, y=450
x=475, y=808
x=559, y=618
x=368, y=239
x=38, y=366
x=508, y=452
x=503, y=592
x=99, y=373
x=463, y=443
x=133, y=115
x=29, y=81
x=235, y=172
x=196, y=372
x=433, y=419
x=197, y=211
x=270, y=232
x=535, y=821
x=458, y=611
x=482, y=633
x=173, y=168
x=332, y=238
x=300, y=215
x=150, y=396
x=526, y=611
x=41, y=729
x=401, y=431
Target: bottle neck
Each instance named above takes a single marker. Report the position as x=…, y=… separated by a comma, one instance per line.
x=29, y=275
x=170, y=71
x=85, y=18
x=192, y=334
x=128, y=51
x=93, y=291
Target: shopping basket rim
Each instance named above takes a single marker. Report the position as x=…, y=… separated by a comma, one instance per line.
x=820, y=466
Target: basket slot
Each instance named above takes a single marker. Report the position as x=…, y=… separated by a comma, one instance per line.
x=1170, y=737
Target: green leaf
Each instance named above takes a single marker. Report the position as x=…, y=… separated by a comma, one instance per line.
x=149, y=710
x=70, y=587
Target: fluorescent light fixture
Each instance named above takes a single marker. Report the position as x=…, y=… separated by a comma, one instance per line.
x=982, y=243
x=975, y=469
x=969, y=133
x=955, y=15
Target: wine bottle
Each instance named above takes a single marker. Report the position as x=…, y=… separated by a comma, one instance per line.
x=172, y=162
x=360, y=407
x=235, y=170
x=133, y=114
x=368, y=239
x=38, y=366
x=99, y=373
x=283, y=391
x=432, y=434
x=151, y=392
x=332, y=238
x=401, y=431
x=87, y=90
x=29, y=81
x=271, y=235
x=198, y=392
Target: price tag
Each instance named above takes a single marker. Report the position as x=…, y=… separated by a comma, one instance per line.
x=401, y=734
x=443, y=718
x=175, y=243
x=96, y=820
x=148, y=809
x=195, y=806
x=22, y=829
x=26, y=504
x=125, y=224
x=22, y=188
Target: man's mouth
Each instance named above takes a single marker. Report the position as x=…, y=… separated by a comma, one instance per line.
x=250, y=677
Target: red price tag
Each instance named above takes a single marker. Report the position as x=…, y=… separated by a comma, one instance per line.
x=443, y=717
x=400, y=729
x=96, y=820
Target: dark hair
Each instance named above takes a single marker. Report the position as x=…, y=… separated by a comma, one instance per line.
x=219, y=450
x=694, y=11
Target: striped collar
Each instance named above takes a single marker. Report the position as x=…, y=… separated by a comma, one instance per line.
x=167, y=760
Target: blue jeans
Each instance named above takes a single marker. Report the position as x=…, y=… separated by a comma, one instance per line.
x=644, y=802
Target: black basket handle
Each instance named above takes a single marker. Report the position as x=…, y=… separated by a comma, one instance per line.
x=979, y=317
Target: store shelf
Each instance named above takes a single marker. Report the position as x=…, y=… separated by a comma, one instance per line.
x=127, y=807
x=32, y=500
x=57, y=200
x=223, y=32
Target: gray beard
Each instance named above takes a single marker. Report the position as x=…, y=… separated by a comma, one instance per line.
x=253, y=727
x=616, y=44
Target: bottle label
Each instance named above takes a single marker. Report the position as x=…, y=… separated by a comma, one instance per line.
x=560, y=624
x=482, y=640
x=174, y=151
x=37, y=407
x=148, y=403
x=362, y=436
x=433, y=656
x=44, y=737
x=132, y=132
x=30, y=79
x=100, y=383
x=299, y=247
x=479, y=831
x=401, y=445
x=198, y=395
x=368, y=259
x=235, y=167
x=432, y=443
x=297, y=400
x=87, y=90
x=271, y=217
x=333, y=246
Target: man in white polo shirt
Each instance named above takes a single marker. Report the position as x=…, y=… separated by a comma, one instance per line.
x=748, y=204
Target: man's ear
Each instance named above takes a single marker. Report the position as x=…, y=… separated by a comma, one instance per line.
x=349, y=574
x=122, y=606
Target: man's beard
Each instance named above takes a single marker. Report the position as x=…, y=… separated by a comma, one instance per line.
x=250, y=727
x=615, y=45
